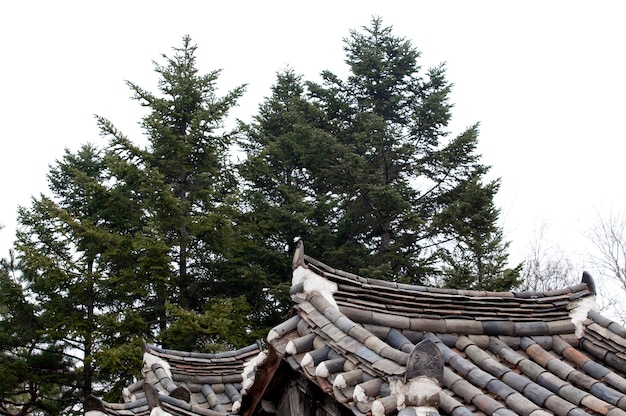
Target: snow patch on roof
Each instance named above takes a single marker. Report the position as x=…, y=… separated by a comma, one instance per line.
x=311, y=282
x=150, y=359
x=579, y=313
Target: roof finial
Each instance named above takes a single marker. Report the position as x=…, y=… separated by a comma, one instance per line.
x=298, y=255
x=588, y=280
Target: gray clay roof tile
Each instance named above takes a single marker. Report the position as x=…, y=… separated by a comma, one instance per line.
x=487, y=404
x=603, y=392
x=530, y=369
x=572, y=394
x=500, y=388
x=616, y=381
x=516, y=381
x=550, y=381
x=520, y=404
x=503, y=354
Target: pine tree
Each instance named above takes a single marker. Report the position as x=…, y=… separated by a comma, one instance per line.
x=35, y=373
x=477, y=257
x=378, y=161
x=185, y=187
x=67, y=256
x=285, y=198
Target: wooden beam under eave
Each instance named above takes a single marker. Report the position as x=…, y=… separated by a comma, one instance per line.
x=263, y=377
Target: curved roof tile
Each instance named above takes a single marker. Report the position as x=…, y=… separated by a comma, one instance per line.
x=504, y=354
x=182, y=383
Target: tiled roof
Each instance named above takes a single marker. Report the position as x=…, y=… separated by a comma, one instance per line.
x=384, y=348
x=182, y=383
x=503, y=353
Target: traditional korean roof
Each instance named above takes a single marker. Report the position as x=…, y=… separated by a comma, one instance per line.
x=376, y=347
x=182, y=383
x=529, y=354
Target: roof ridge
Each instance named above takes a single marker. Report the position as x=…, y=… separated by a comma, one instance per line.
x=583, y=289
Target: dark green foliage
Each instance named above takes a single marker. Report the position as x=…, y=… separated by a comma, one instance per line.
x=390, y=123
x=70, y=259
x=363, y=169
x=36, y=374
x=131, y=242
x=183, y=176
x=185, y=189
x=218, y=328
x=477, y=258
x=284, y=200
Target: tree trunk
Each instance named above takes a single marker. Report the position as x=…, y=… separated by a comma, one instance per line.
x=87, y=361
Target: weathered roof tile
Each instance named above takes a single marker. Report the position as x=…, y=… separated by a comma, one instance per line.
x=500, y=388
x=572, y=394
x=616, y=381
x=520, y=404
x=580, y=380
x=531, y=369
x=503, y=353
x=479, y=377
x=550, y=381
x=498, y=327
x=477, y=355
x=487, y=404
x=560, y=369
x=609, y=395
x=595, y=404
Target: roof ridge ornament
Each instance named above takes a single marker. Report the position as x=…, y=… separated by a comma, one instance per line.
x=578, y=314
x=425, y=360
x=305, y=281
x=418, y=393
x=298, y=255
x=591, y=284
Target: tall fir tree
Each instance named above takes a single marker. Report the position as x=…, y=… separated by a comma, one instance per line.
x=67, y=260
x=36, y=374
x=384, y=170
x=477, y=258
x=186, y=187
x=285, y=200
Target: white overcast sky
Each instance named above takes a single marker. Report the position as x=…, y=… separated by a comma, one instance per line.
x=546, y=80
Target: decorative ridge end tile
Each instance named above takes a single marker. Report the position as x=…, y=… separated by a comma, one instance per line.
x=588, y=280
x=425, y=360
x=281, y=329
x=298, y=255
x=311, y=282
x=579, y=312
x=417, y=393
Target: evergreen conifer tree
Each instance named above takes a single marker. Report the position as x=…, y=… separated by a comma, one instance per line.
x=378, y=163
x=285, y=197
x=36, y=375
x=185, y=188
x=67, y=258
